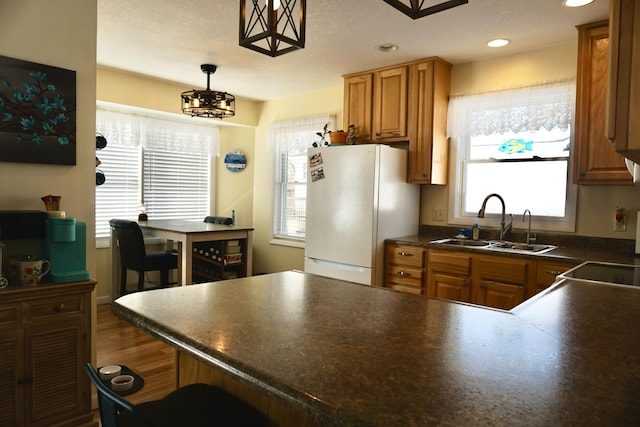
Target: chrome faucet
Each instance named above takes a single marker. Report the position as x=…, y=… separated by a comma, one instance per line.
x=504, y=227
x=527, y=211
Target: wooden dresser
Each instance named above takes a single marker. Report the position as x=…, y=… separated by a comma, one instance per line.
x=45, y=340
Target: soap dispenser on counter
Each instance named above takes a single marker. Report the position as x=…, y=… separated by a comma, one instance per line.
x=475, y=233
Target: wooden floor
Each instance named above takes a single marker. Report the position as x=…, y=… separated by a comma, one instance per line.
x=120, y=343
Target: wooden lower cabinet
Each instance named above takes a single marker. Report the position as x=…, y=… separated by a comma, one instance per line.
x=449, y=275
x=45, y=340
x=405, y=268
x=503, y=282
x=494, y=281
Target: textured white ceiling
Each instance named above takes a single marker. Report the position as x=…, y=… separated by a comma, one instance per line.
x=169, y=39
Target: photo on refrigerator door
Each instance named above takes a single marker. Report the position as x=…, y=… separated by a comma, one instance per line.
x=317, y=174
x=315, y=160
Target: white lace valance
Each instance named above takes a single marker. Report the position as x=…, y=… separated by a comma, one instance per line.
x=546, y=106
x=297, y=135
x=129, y=126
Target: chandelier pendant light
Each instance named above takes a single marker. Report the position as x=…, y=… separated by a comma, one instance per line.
x=417, y=8
x=208, y=103
x=273, y=27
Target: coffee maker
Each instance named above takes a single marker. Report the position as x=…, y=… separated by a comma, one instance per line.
x=65, y=246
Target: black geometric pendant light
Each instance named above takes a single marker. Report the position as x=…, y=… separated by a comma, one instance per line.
x=272, y=27
x=417, y=8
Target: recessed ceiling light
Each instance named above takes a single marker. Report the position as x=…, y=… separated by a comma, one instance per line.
x=387, y=47
x=498, y=42
x=576, y=3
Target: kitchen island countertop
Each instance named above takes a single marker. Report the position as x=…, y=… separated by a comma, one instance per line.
x=349, y=354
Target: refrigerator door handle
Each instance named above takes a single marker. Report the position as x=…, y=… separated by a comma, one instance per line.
x=337, y=265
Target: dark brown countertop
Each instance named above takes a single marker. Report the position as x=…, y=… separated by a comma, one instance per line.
x=349, y=354
x=574, y=249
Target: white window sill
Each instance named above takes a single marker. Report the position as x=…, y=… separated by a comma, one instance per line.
x=290, y=243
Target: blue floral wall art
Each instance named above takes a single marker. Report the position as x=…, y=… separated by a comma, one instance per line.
x=37, y=113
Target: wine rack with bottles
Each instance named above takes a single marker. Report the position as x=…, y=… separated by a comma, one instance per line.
x=219, y=260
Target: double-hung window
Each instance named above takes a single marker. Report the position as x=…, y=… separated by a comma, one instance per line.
x=288, y=142
x=156, y=161
x=515, y=143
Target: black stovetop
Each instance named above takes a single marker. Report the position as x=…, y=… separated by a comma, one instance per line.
x=620, y=274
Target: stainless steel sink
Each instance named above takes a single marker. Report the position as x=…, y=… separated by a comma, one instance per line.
x=496, y=245
x=464, y=242
x=523, y=247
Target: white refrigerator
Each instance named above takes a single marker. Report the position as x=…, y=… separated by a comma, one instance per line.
x=357, y=196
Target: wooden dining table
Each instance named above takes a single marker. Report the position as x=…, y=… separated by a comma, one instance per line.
x=184, y=233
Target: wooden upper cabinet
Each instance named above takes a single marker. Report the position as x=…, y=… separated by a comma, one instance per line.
x=358, y=99
x=623, y=108
x=596, y=160
x=400, y=104
x=390, y=104
x=429, y=101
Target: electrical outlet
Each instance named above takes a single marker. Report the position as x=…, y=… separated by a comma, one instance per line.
x=437, y=214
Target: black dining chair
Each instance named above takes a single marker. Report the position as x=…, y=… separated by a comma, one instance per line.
x=219, y=220
x=194, y=405
x=134, y=256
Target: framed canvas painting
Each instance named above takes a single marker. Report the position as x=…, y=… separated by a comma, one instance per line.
x=37, y=113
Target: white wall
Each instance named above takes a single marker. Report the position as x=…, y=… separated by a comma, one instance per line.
x=59, y=33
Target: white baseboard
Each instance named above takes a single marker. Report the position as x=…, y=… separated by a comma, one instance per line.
x=103, y=300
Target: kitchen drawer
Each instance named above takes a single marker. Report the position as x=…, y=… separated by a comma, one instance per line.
x=400, y=273
x=502, y=269
x=10, y=315
x=72, y=304
x=403, y=287
x=405, y=255
x=450, y=262
x=546, y=273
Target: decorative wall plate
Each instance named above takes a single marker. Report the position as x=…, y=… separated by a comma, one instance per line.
x=235, y=161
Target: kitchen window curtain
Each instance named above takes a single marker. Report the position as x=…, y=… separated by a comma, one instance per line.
x=155, y=159
x=545, y=106
x=288, y=142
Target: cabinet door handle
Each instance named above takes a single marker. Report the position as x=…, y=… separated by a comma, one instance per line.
x=58, y=308
x=482, y=286
x=24, y=380
x=404, y=254
x=465, y=284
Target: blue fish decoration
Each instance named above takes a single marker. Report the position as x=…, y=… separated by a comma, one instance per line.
x=516, y=146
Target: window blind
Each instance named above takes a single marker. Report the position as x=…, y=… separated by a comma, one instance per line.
x=153, y=159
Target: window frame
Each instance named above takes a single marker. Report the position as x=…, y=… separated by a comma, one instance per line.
x=460, y=144
x=290, y=138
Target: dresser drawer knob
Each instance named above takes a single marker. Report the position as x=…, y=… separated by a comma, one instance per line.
x=58, y=308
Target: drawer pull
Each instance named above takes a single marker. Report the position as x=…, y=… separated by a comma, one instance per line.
x=58, y=308
x=402, y=274
x=405, y=254
x=553, y=272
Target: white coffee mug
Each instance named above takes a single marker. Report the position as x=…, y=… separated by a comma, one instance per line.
x=32, y=270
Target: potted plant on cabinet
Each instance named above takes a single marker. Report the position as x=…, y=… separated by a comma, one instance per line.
x=323, y=136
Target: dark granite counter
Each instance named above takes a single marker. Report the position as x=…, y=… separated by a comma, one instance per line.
x=348, y=354
x=576, y=249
